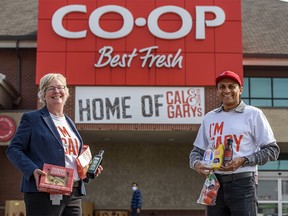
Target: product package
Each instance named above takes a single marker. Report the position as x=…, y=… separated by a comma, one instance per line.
x=58, y=180
x=83, y=161
x=209, y=190
x=218, y=157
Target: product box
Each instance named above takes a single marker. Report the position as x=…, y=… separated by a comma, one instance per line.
x=103, y=213
x=58, y=180
x=83, y=161
x=87, y=208
x=15, y=208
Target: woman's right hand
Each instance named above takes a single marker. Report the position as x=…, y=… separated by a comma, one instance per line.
x=37, y=173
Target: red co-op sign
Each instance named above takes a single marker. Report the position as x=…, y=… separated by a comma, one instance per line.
x=131, y=42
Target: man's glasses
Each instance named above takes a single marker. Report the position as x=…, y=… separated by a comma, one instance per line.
x=53, y=88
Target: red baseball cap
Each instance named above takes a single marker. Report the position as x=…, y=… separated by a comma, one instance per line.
x=230, y=75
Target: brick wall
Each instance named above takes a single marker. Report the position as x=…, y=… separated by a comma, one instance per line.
x=19, y=69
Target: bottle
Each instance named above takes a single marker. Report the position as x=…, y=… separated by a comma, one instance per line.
x=218, y=157
x=96, y=161
x=228, y=152
x=208, y=157
x=208, y=154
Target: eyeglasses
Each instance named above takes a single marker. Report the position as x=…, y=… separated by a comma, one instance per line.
x=53, y=88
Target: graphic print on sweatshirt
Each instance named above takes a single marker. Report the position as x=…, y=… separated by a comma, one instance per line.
x=70, y=143
x=216, y=132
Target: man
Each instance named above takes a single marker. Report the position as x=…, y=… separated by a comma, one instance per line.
x=136, y=200
x=253, y=144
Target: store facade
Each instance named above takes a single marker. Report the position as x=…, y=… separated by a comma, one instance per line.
x=139, y=90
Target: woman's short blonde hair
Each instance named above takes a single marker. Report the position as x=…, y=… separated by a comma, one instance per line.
x=44, y=83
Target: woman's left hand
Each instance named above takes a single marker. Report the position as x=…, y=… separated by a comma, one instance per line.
x=99, y=171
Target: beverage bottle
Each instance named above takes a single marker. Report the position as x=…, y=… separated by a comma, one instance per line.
x=208, y=155
x=228, y=151
x=218, y=157
x=96, y=161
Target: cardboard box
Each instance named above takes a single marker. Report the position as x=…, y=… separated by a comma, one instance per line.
x=58, y=180
x=119, y=213
x=111, y=213
x=87, y=208
x=103, y=213
x=15, y=208
x=83, y=161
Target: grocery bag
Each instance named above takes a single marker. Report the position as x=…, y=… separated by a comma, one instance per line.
x=209, y=190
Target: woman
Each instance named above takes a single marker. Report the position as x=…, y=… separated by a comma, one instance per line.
x=48, y=136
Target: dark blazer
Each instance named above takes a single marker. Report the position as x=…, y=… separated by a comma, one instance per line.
x=36, y=142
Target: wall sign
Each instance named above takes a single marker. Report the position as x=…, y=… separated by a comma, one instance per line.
x=157, y=105
x=128, y=42
x=7, y=128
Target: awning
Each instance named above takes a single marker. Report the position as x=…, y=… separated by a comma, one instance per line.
x=280, y=165
x=9, y=96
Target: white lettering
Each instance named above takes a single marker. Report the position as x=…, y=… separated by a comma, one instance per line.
x=200, y=17
x=116, y=60
x=98, y=31
x=128, y=21
x=160, y=60
x=125, y=60
x=157, y=32
x=58, y=18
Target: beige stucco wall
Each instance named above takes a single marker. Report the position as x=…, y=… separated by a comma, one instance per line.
x=162, y=171
x=278, y=119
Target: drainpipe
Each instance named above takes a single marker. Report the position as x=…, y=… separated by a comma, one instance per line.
x=18, y=69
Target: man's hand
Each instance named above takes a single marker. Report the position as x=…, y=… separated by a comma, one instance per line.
x=232, y=165
x=202, y=169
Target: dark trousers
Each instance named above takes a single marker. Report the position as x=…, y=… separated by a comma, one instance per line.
x=237, y=198
x=39, y=204
x=134, y=212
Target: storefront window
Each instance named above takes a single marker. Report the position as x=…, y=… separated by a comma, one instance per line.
x=260, y=88
x=268, y=190
x=268, y=209
x=285, y=190
x=266, y=92
x=285, y=209
x=273, y=196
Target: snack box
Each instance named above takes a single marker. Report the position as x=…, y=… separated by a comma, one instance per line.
x=58, y=180
x=83, y=161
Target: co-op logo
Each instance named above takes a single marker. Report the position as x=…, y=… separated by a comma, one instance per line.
x=129, y=21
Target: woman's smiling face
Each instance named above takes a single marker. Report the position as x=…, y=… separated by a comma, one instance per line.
x=55, y=94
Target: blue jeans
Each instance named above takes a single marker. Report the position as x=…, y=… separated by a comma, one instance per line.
x=236, y=198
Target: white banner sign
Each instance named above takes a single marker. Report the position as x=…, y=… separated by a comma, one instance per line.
x=139, y=105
